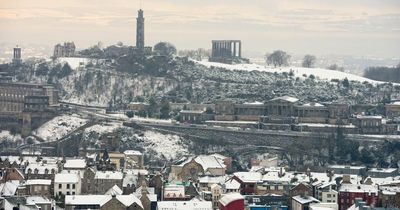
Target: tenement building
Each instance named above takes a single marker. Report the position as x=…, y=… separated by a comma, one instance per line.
x=16, y=97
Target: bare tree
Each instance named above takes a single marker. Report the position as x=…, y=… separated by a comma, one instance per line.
x=335, y=67
x=309, y=61
x=278, y=58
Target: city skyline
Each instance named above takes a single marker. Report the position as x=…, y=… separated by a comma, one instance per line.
x=358, y=28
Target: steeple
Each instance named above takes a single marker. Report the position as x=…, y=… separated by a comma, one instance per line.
x=140, y=30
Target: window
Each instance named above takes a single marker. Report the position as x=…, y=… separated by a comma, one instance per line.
x=59, y=186
x=68, y=193
x=73, y=193
x=73, y=186
x=328, y=195
x=59, y=193
x=67, y=186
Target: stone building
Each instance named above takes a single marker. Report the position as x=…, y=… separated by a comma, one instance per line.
x=40, y=187
x=227, y=51
x=393, y=109
x=15, y=97
x=66, y=50
x=17, y=56
x=369, y=124
x=191, y=116
x=224, y=110
x=99, y=182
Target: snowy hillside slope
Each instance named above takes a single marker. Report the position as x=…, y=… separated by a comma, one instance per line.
x=59, y=127
x=324, y=74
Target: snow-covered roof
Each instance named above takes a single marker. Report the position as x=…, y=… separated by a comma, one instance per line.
x=66, y=178
x=100, y=200
x=232, y=184
x=230, y=197
x=248, y=177
x=41, y=167
x=313, y=104
x=128, y=200
x=8, y=188
x=212, y=179
x=254, y=103
x=305, y=199
x=32, y=200
x=209, y=162
x=114, y=190
x=383, y=170
x=358, y=188
x=132, y=152
x=38, y=182
x=286, y=98
x=191, y=112
x=184, y=205
x=397, y=103
x=368, y=117
x=87, y=199
x=347, y=167
x=75, y=164
x=108, y=175
x=389, y=190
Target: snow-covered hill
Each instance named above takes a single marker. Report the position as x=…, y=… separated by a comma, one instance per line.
x=324, y=74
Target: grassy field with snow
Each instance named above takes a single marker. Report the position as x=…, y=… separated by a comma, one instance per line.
x=324, y=74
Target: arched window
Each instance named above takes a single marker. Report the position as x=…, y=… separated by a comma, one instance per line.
x=36, y=171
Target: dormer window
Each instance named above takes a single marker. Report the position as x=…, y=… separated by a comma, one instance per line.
x=36, y=171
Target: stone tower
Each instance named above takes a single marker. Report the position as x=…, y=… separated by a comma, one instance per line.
x=17, y=55
x=140, y=30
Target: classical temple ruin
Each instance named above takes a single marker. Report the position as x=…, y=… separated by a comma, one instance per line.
x=17, y=56
x=227, y=51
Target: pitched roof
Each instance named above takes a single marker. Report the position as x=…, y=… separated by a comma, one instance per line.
x=38, y=182
x=305, y=199
x=115, y=190
x=75, y=163
x=286, y=98
x=108, y=175
x=248, y=177
x=66, y=178
x=230, y=197
x=126, y=200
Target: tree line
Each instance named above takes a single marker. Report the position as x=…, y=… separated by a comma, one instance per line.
x=383, y=73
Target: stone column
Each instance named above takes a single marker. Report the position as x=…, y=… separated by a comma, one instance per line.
x=230, y=49
x=240, y=49
x=234, y=49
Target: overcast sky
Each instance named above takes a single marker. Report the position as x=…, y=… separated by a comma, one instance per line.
x=344, y=27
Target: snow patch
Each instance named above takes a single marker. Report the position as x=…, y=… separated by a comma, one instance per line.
x=59, y=127
x=325, y=74
x=7, y=136
x=169, y=146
